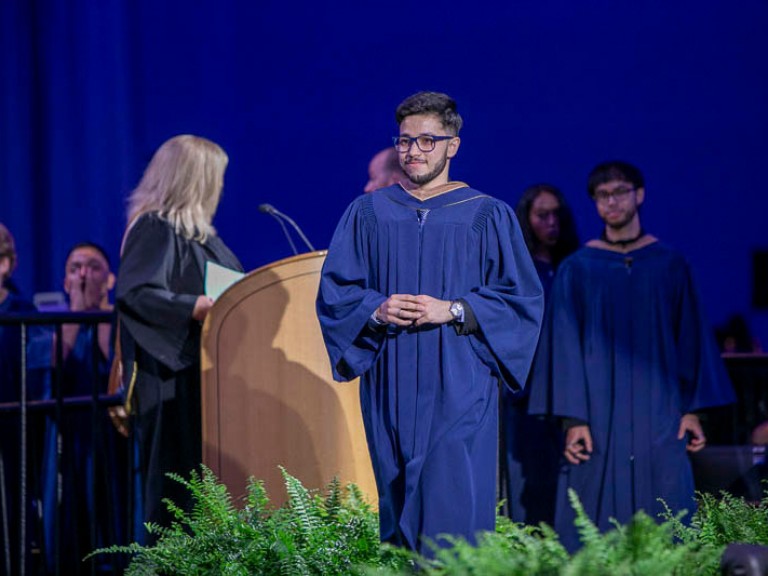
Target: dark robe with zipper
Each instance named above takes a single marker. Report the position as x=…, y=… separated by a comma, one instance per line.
x=626, y=350
x=429, y=395
x=161, y=276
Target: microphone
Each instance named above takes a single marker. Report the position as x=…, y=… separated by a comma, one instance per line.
x=280, y=217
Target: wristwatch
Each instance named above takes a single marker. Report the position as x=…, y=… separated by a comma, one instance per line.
x=457, y=311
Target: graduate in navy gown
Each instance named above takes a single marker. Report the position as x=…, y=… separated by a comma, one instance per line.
x=532, y=443
x=430, y=296
x=626, y=360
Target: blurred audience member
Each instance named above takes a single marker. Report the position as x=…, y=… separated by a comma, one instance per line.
x=384, y=170
x=11, y=353
x=735, y=337
x=91, y=482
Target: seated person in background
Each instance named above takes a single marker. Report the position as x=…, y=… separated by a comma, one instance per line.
x=735, y=337
x=384, y=170
x=87, y=281
x=11, y=302
x=760, y=434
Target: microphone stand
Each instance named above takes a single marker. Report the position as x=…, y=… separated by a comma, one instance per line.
x=296, y=227
x=282, y=218
x=285, y=231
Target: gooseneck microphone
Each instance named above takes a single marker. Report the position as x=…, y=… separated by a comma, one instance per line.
x=282, y=218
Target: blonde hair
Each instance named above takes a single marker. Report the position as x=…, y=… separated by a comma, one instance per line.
x=182, y=184
x=7, y=248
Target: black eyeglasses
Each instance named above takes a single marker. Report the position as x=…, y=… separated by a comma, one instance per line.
x=424, y=142
x=604, y=196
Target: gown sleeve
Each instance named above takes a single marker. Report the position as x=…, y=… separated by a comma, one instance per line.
x=508, y=306
x=156, y=316
x=553, y=364
x=345, y=301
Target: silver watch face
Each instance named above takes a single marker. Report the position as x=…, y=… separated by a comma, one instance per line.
x=455, y=309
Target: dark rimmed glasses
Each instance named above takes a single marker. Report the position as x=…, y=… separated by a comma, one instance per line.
x=424, y=142
x=618, y=194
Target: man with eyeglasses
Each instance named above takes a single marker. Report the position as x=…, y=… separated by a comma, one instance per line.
x=430, y=296
x=626, y=360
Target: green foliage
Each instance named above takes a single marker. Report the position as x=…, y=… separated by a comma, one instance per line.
x=311, y=535
x=513, y=549
x=643, y=547
x=721, y=520
x=336, y=533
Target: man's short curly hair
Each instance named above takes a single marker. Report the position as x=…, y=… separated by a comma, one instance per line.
x=441, y=105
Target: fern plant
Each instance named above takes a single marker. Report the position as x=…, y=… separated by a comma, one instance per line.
x=311, y=535
x=723, y=519
x=642, y=547
x=336, y=532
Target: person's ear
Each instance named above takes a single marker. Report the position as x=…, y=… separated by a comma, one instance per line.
x=640, y=195
x=110, y=281
x=453, y=146
x=67, y=284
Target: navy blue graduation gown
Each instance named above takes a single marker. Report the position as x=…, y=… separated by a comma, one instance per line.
x=532, y=446
x=429, y=396
x=626, y=349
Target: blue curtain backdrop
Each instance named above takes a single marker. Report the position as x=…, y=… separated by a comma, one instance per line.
x=302, y=94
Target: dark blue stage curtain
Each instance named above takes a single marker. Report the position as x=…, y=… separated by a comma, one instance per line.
x=302, y=94
x=68, y=125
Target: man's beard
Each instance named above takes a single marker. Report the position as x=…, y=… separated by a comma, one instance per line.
x=619, y=224
x=422, y=179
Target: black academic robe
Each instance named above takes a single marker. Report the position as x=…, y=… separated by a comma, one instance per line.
x=429, y=395
x=161, y=276
x=626, y=349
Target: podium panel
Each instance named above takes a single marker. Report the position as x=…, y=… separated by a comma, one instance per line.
x=268, y=395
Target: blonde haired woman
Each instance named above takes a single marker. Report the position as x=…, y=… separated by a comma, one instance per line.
x=161, y=304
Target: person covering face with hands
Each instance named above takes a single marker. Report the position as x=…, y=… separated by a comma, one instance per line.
x=87, y=282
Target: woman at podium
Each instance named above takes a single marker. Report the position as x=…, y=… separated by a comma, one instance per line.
x=161, y=305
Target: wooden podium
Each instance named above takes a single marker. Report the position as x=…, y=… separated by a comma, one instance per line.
x=267, y=391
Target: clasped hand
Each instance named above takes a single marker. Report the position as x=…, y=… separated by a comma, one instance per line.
x=410, y=310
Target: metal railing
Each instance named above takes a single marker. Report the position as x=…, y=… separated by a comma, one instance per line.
x=42, y=414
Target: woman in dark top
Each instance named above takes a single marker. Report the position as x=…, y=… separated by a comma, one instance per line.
x=161, y=306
